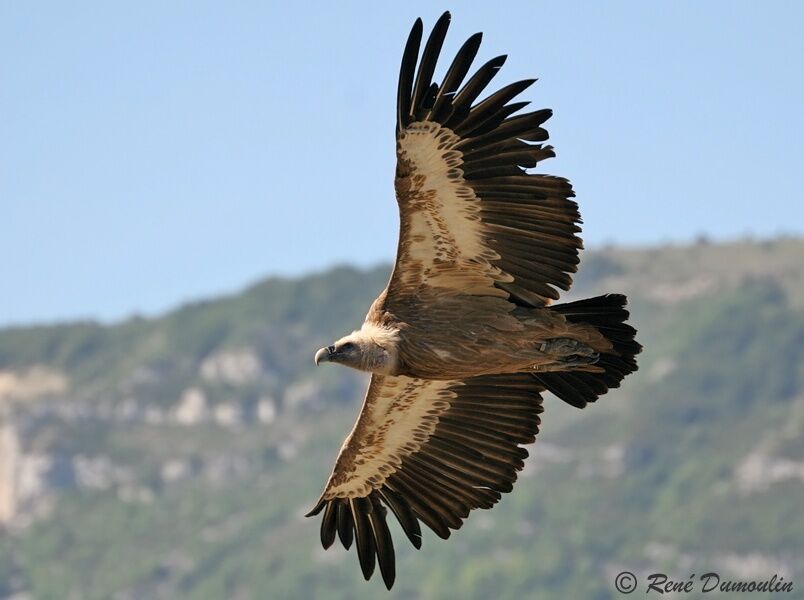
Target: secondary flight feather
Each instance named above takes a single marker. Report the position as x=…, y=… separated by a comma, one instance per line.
x=464, y=339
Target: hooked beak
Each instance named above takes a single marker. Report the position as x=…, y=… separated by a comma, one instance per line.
x=324, y=354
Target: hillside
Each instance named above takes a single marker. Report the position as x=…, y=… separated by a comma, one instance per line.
x=175, y=456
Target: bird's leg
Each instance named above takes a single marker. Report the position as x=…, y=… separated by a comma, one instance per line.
x=584, y=364
x=576, y=360
x=561, y=347
x=569, y=353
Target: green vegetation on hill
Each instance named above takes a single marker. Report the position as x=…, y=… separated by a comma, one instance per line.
x=696, y=464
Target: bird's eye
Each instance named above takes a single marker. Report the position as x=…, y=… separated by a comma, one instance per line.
x=347, y=347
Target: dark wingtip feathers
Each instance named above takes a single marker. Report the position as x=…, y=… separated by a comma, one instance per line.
x=423, y=88
x=363, y=521
x=317, y=508
x=328, y=526
x=364, y=538
x=406, y=70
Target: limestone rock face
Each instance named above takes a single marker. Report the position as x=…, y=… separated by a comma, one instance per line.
x=9, y=460
x=192, y=407
x=236, y=367
x=31, y=383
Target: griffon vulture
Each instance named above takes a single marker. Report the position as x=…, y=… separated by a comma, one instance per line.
x=463, y=340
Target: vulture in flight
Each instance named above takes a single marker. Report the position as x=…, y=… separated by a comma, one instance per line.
x=464, y=339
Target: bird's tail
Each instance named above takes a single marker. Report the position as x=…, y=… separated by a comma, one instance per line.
x=608, y=314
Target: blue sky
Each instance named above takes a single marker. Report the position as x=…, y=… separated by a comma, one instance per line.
x=155, y=152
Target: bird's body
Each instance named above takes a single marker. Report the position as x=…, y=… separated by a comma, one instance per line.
x=464, y=339
x=453, y=336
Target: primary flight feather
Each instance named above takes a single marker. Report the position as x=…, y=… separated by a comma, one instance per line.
x=463, y=340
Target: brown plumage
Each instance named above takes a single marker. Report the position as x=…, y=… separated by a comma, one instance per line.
x=463, y=340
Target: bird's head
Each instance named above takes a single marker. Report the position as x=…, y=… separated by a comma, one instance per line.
x=359, y=350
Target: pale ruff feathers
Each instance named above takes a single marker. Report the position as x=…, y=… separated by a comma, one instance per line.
x=387, y=337
x=392, y=425
x=444, y=214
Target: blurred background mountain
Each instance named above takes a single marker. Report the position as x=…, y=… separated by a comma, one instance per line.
x=174, y=456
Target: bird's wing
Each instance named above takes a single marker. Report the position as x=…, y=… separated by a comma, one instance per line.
x=430, y=451
x=472, y=219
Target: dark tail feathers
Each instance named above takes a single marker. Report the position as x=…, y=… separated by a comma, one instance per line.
x=608, y=314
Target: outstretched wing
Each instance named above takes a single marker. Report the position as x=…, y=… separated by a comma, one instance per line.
x=472, y=219
x=430, y=451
